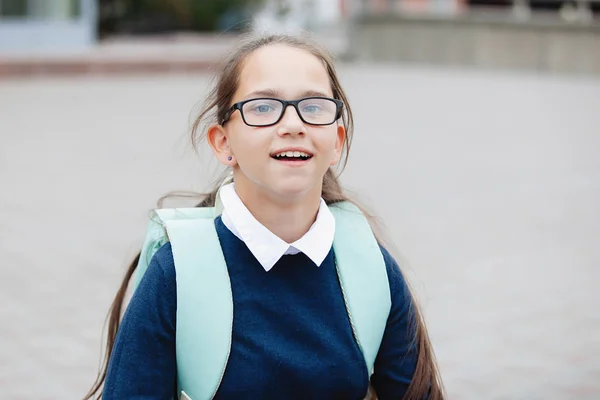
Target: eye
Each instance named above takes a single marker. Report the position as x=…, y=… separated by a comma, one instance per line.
x=312, y=108
x=262, y=108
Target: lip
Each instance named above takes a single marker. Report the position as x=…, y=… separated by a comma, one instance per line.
x=293, y=163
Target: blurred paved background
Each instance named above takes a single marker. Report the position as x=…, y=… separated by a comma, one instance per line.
x=489, y=185
x=486, y=171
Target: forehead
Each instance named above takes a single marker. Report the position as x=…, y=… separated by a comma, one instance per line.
x=285, y=70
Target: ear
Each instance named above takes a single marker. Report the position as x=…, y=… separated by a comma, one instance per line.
x=339, y=144
x=219, y=143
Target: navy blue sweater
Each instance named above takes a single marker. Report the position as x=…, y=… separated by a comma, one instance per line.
x=291, y=339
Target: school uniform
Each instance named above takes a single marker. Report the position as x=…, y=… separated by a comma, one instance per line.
x=292, y=337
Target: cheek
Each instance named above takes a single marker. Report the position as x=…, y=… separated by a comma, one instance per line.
x=327, y=140
x=247, y=143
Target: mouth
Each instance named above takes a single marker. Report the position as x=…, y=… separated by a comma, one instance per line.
x=295, y=157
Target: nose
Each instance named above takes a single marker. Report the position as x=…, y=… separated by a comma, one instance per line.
x=290, y=123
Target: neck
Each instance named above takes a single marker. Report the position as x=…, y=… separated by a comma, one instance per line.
x=289, y=219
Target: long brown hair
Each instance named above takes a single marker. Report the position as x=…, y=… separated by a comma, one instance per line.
x=426, y=382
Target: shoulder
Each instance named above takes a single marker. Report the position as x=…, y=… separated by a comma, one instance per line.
x=162, y=262
x=156, y=294
x=395, y=276
x=390, y=262
x=160, y=275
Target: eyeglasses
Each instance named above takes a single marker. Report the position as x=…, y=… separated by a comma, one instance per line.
x=268, y=111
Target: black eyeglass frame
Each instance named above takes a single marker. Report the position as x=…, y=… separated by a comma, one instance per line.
x=286, y=103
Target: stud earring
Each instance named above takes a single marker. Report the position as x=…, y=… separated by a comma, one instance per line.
x=229, y=158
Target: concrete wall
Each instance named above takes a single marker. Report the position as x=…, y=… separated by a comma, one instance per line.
x=481, y=41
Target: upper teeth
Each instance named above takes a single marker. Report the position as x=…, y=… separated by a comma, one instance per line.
x=292, y=154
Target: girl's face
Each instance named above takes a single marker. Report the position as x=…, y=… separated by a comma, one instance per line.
x=286, y=73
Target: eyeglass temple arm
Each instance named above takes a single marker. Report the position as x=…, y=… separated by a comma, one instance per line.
x=227, y=115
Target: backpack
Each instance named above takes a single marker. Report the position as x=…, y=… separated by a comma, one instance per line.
x=205, y=303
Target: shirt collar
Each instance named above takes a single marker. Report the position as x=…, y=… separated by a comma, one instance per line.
x=264, y=244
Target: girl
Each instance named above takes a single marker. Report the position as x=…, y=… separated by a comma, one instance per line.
x=280, y=122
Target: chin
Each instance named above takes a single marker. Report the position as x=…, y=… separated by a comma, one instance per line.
x=294, y=188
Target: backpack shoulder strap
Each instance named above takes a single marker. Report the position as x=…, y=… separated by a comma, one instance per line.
x=204, y=298
x=156, y=234
x=363, y=277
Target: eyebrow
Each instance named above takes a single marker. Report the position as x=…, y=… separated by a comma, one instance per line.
x=277, y=94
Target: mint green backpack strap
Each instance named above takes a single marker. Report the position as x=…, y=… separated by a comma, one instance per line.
x=156, y=235
x=363, y=277
x=204, y=306
x=204, y=298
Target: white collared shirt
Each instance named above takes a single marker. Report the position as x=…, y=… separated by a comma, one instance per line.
x=267, y=247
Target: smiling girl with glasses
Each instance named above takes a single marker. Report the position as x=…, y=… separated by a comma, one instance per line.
x=298, y=294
